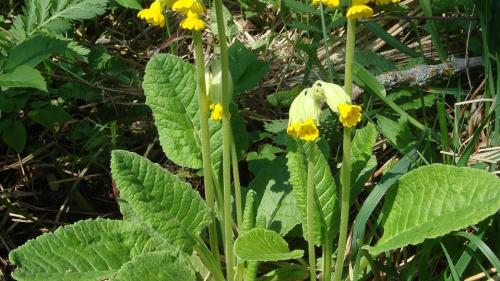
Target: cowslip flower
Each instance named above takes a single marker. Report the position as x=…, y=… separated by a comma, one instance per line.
x=340, y=103
x=192, y=21
x=359, y=12
x=154, y=14
x=305, y=111
x=328, y=3
x=186, y=6
x=349, y=114
x=214, y=92
x=216, y=114
x=385, y=2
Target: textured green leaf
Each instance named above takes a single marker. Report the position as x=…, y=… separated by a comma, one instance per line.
x=434, y=200
x=246, y=69
x=156, y=266
x=23, y=77
x=326, y=215
x=363, y=160
x=274, y=196
x=170, y=89
x=86, y=250
x=160, y=199
x=260, y=244
x=29, y=52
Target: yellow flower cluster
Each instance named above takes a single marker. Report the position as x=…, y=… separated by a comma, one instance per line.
x=328, y=3
x=191, y=9
x=305, y=110
x=216, y=111
x=360, y=10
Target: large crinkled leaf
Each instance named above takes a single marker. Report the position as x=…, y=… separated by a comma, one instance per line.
x=434, y=200
x=274, y=196
x=156, y=266
x=326, y=214
x=260, y=244
x=86, y=250
x=170, y=89
x=164, y=202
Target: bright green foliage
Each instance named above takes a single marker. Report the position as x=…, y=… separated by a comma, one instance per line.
x=246, y=69
x=260, y=244
x=290, y=273
x=86, y=250
x=170, y=89
x=326, y=215
x=434, y=200
x=23, y=77
x=274, y=196
x=249, y=212
x=156, y=266
x=29, y=52
x=162, y=201
x=363, y=160
x=131, y=4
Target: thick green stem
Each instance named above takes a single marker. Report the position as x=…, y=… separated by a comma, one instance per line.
x=310, y=219
x=205, y=142
x=327, y=258
x=345, y=179
x=208, y=260
x=226, y=141
x=349, y=54
x=237, y=185
x=325, y=39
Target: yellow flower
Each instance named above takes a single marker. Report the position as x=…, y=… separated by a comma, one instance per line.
x=192, y=21
x=308, y=130
x=328, y=3
x=168, y=3
x=385, y=2
x=186, y=6
x=359, y=2
x=333, y=94
x=349, y=114
x=304, y=116
x=359, y=12
x=154, y=14
x=216, y=112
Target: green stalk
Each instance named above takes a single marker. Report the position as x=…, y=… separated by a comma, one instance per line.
x=226, y=141
x=327, y=258
x=345, y=179
x=237, y=185
x=205, y=142
x=345, y=176
x=310, y=219
x=208, y=259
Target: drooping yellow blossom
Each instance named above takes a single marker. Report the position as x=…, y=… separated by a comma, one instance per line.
x=304, y=116
x=359, y=2
x=192, y=21
x=186, y=6
x=333, y=94
x=385, y=2
x=328, y=3
x=154, y=14
x=216, y=112
x=359, y=12
x=349, y=114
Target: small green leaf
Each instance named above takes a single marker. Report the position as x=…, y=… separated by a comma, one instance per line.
x=156, y=266
x=247, y=70
x=131, y=4
x=164, y=202
x=15, y=136
x=261, y=244
x=30, y=53
x=363, y=160
x=300, y=7
x=365, y=80
x=23, y=77
x=49, y=115
x=86, y=250
x=434, y=200
x=326, y=213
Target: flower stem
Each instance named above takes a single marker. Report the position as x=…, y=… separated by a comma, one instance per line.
x=205, y=142
x=237, y=185
x=310, y=219
x=345, y=176
x=325, y=39
x=226, y=141
x=327, y=258
x=208, y=259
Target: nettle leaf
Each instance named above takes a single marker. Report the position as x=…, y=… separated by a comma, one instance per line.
x=156, y=266
x=164, y=202
x=434, y=200
x=326, y=213
x=247, y=70
x=260, y=244
x=170, y=89
x=23, y=77
x=274, y=196
x=86, y=250
x=29, y=52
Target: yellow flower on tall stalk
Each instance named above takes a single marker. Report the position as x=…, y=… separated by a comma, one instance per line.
x=192, y=21
x=154, y=14
x=385, y=2
x=214, y=91
x=340, y=103
x=328, y=3
x=186, y=6
x=359, y=12
x=305, y=111
x=349, y=114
